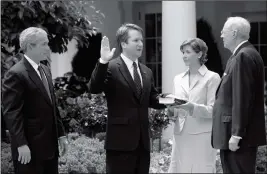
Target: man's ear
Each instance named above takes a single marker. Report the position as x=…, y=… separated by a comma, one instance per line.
x=123, y=44
x=235, y=32
x=29, y=46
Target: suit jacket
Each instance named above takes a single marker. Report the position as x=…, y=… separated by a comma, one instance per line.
x=239, y=105
x=31, y=117
x=202, y=93
x=127, y=114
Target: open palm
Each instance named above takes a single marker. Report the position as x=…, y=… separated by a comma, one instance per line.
x=105, y=52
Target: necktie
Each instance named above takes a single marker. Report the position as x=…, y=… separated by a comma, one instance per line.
x=44, y=80
x=137, y=80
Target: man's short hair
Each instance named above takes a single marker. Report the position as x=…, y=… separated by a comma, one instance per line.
x=122, y=33
x=29, y=36
x=241, y=25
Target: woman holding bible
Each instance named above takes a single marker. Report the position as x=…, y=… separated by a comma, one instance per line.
x=191, y=149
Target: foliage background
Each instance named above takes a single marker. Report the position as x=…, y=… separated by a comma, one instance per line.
x=63, y=21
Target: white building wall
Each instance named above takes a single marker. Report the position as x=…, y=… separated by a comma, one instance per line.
x=118, y=12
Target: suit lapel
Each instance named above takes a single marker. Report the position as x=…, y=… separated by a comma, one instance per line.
x=217, y=90
x=185, y=83
x=127, y=76
x=36, y=80
x=229, y=62
x=245, y=44
x=200, y=74
x=145, y=80
x=194, y=82
x=226, y=70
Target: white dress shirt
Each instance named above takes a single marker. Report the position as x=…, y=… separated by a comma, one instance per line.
x=239, y=45
x=129, y=64
x=33, y=64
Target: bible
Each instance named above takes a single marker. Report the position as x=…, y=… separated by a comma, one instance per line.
x=171, y=99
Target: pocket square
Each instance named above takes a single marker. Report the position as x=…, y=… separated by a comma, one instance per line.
x=224, y=74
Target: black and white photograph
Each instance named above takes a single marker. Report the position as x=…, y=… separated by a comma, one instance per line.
x=133, y=86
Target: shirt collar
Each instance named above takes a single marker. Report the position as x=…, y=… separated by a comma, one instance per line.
x=128, y=62
x=202, y=70
x=34, y=65
x=239, y=45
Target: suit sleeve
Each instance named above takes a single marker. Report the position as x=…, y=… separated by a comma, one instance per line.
x=205, y=111
x=154, y=96
x=99, y=78
x=60, y=126
x=242, y=81
x=171, y=111
x=13, y=101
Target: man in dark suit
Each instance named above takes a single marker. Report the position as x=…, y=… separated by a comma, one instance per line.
x=129, y=89
x=29, y=108
x=238, y=112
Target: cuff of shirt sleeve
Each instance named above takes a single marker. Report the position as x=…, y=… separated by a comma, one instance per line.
x=103, y=61
x=238, y=137
x=62, y=137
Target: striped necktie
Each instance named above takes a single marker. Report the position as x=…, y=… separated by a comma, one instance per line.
x=44, y=80
x=137, y=80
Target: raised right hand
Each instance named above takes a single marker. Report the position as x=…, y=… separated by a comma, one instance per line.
x=24, y=154
x=105, y=52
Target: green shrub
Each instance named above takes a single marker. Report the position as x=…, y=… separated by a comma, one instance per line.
x=261, y=163
x=159, y=162
x=85, y=155
x=101, y=136
x=158, y=120
x=6, y=158
x=86, y=113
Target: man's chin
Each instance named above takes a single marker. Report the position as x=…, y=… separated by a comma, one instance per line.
x=225, y=45
x=139, y=53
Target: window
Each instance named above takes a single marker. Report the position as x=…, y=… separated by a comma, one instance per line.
x=153, y=47
x=258, y=37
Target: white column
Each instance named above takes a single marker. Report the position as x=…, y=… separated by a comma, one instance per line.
x=178, y=24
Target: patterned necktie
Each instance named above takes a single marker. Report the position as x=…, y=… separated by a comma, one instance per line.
x=137, y=80
x=44, y=80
